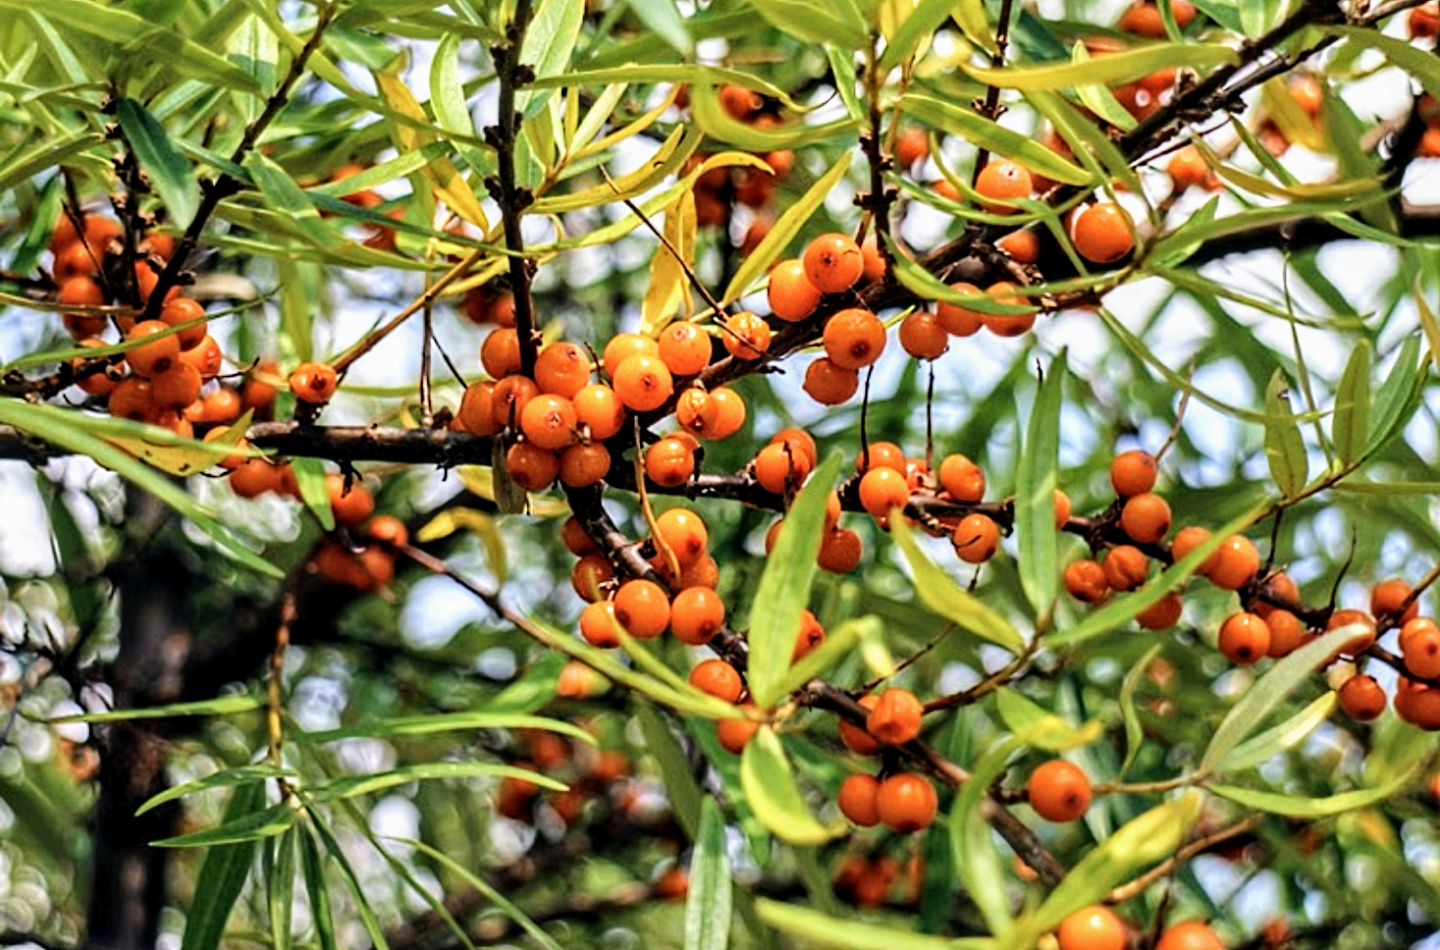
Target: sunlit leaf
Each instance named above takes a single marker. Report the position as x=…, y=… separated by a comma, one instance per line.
x=1284, y=448
x=707, y=902
x=1350, y=429
x=1036, y=479
x=938, y=591
x=772, y=794
x=169, y=171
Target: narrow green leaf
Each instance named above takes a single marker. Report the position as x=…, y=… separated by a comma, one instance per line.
x=449, y=722
x=287, y=198
x=842, y=65
x=48, y=154
x=170, y=172
x=712, y=119
x=973, y=852
x=222, y=876
x=447, y=88
x=1401, y=388
x=1037, y=726
x=1262, y=747
x=1268, y=692
x=985, y=133
x=352, y=881
x=940, y=592
x=249, y=827
x=1351, y=426
x=837, y=23
x=1098, y=98
x=1294, y=806
x=840, y=642
x=490, y=893
x=1036, y=478
x=772, y=794
x=314, y=492
x=664, y=19
x=816, y=927
x=317, y=891
x=220, y=706
x=1284, y=448
x=1129, y=715
x=1144, y=840
x=352, y=785
x=708, y=901
x=280, y=887
x=784, y=587
x=243, y=775
x=919, y=26
x=1104, y=70
x=783, y=231
x=680, y=785
x=549, y=41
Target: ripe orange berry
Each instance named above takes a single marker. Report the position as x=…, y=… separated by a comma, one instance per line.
x=624, y=345
x=1022, y=245
x=1188, y=539
x=962, y=478
x=879, y=455
x=599, y=409
x=1132, y=473
x=254, y=477
x=154, y=356
x=1143, y=19
x=1362, y=698
x=717, y=678
x=911, y=145
x=976, y=538
x=922, y=336
x=684, y=532
x=314, y=382
x=833, y=262
x=476, y=414
x=1004, y=180
x=809, y=635
x=133, y=398
x=1145, y=518
x=1287, y=632
x=670, y=462
x=1103, y=233
x=746, y=336
x=531, y=467
x=1085, y=581
x=857, y=799
x=1125, y=567
x=791, y=295
x=882, y=489
x=854, y=338
x=778, y=470
x=643, y=608
x=351, y=505
x=500, y=353
x=1420, y=647
x=1417, y=703
x=696, y=615
x=1307, y=93
x=596, y=625
x=549, y=421
x=1008, y=324
x=840, y=551
x=1092, y=928
x=685, y=348
x=1058, y=790
x=895, y=720
x=874, y=262
x=1387, y=597
x=1423, y=24
x=177, y=387
x=183, y=310
x=206, y=359
x=388, y=529
x=800, y=442
x=1244, y=638
x=829, y=383
x=562, y=368
x=575, y=539
x=735, y=734
x=856, y=739
x=584, y=464
x=589, y=576
x=509, y=397
x=643, y=383
x=1162, y=614
x=742, y=104
x=958, y=320
x=1192, y=934
x=1188, y=168
x=1062, y=510
x=1363, y=640
x=906, y=802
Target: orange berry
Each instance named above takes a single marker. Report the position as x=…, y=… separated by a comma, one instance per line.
x=183, y=310
x=531, y=467
x=548, y=421
x=873, y=267
x=643, y=608
x=735, y=734
x=855, y=737
x=177, y=387
x=575, y=538
x=958, y=320
x=589, y=576
x=1162, y=614
x=742, y=104
x=685, y=348
x=895, y=720
x=922, y=336
x=1103, y=232
x=670, y=462
x=1092, y=928
x=1132, y=473
x=854, y=338
x=976, y=538
x=1188, y=168
x=1125, y=567
x=1008, y=324
x=1363, y=640
x=833, y=262
x=133, y=398
x=696, y=615
x=388, y=529
x=206, y=359
x=717, y=678
x=840, y=551
x=476, y=414
x=600, y=410
x=809, y=636
x=1062, y=510
x=254, y=477
x=1145, y=518
x=584, y=464
x=562, y=368
x=962, y=478
x=684, y=532
x=791, y=295
x=1287, y=632
x=500, y=353
x=879, y=455
x=800, y=442
x=1188, y=539
x=1420, y=647
x=314, y=382
x=1192, y=934
x=1244, y=638
x=1308, y=93
x=746, y=335
x=596, y=624
x=778, y=470
x=1085, y=581
x=1058, y=791
x=911, y=145
x=350, y=504
x=643, y=383
x=906, y=802
x=509, y=398
x=1004, y=180
x=1423, y=24
x=1417, y=703
x=155, y=356
x=857, y=799
x=1387, y=597
x=882, y=489
x=1362, y=698
x=829, y=383
x=1022, y=245
x=623, y=345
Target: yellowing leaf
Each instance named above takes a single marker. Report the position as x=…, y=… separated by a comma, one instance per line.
x=669, y=281
x=444, y=177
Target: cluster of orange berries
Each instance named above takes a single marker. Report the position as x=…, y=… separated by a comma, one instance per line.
x=1097, y=927
x=372, y=565
x=719, y=189
x=867, y=880
x=904, y=802
x=588, y=775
